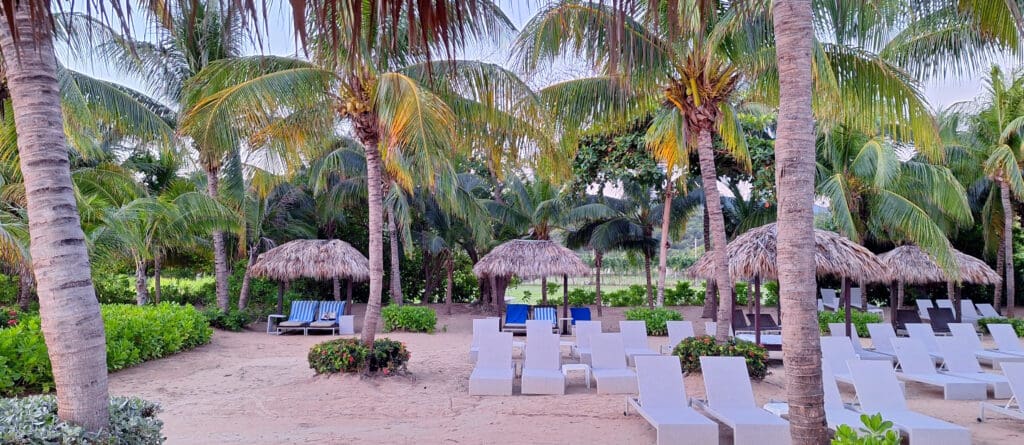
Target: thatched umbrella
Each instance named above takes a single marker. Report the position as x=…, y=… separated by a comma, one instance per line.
x=752, y=255
x=312, y=258
x=910, y=265
x=529, y=259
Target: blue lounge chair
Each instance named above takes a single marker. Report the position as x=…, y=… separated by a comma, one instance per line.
x=548, y=313
x=328, y=316
x=579, y=314
x=515, y=318
x=301, y=315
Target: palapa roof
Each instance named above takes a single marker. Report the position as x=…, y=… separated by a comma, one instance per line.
x=529, y=259
x=753, y=254
x=911, y=265
x=312, y=258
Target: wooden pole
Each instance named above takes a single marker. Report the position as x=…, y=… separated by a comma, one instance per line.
x=348, y=296
x=893, y=302
x=846, y=301
x=565, y=303
x=280, y=297
x=757, y=309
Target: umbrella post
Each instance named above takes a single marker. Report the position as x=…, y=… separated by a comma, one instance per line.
x=280, y=297
x=846, y=301
x=565, y=303
x=757, y=309
x=348, y=296
x=893, y=304
x=953, y=296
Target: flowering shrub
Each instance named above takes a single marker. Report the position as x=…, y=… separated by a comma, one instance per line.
x=350, y=355
x=692, y=349
x=8, y=317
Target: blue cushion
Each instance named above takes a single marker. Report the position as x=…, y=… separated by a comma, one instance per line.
x=303, y=311
x=516, y=313
x=579, y=314
x=545, y=313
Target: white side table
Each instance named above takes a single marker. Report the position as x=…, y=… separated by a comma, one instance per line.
x=569, y=367
x=272, y=321
x=346, y=325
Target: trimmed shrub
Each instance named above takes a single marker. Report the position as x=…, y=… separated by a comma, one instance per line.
x=233, y=320
x=350, y=355
x=691, y=349
x=1017, y=323
x=656, y=319
x=195, y=291
x=409, y=318
x=858, y=319
x=33, y=420
x=684, y=294
x=634, y=295
x=581, y=297
x=134, y=334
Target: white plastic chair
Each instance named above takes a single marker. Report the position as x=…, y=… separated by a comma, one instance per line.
x=663, y=402
x=968, y=313
x=481, y=326
x=922, y=308
x=965, y=332
x=677, y=332
x=918, y=367
x=881, y=337
x=855, y=301
x=542, y=372
x=730, y=400
x=839, y=330
x=493, y=374
x=923, y=333
x=987, y=310
x=835, y=410
x=634, y=339
x=1006, y=338
x=878, y=391
x=584, y=331
x=829, y=299
x=609, y=368
x=1015, y=374
x=959, y=362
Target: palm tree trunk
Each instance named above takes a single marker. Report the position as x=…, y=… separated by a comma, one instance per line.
x=450, y=276
x=336, y=288
x=794, y=176
x=598, y=260
x=955, y=298
x=243, y=294
x=220, y=251
x=899, y=296
x=666, y=242
x=863, y=296
x=141, y=292
x=376, y=225
x=713, y=203
x=26, y=287
x=1004, y=195
x=997, y=297
x=543, y=290
x=396, y=256
x=710, y=305
x=157, y=267
x=428, y=278
x=647, y=273
x=71, y=321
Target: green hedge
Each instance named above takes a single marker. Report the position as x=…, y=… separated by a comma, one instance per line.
x=858, y=319
x=1017, y=323
x=409, y=318
x=134, y=334
x=350, y=355
x=33, y=420
x=656, y=319
x=692, y=349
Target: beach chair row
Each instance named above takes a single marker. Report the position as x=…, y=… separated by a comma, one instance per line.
x=969, y=312
x=307, y=315
x=831, y=300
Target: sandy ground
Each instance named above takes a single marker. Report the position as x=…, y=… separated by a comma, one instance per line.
x=253, y=388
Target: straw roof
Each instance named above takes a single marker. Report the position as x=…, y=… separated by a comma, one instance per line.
x=529, y=259
x=911, y=265
x=312, y=258
x=753, y=254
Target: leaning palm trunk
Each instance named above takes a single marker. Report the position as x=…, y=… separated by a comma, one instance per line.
x=396, y=256
x=709, y=285
x=70, y=314
x=243, y=294
x=997, y=298
x=794, y=174
x=647, y=273
x=713, y=202
x=666, y=218
x=1004, y=194
x=220, y=251
x=367, y=127
x=141, y=292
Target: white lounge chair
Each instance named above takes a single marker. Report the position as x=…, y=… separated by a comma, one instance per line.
x=918, y=367
x=493, y=373
x=881, y=337
x=537, y=328
x=923, y=333
x=987, y=310
x=960, y=362
x=944, y=304
x=839, y=330
x=634, y=339
x=836, y=412
x=609, y=368
x=968, y=313
x=922, y=307
x=677, y=332
x=584, y=331
x=965, y=332
x=542, y=372
x=1006, y=338
x=1015, y=374
x=836, y=352
x=855, y=301
x=481, y=326
x=730, y=400
x=878, y=391
x=829, y=299
x=664, y=404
